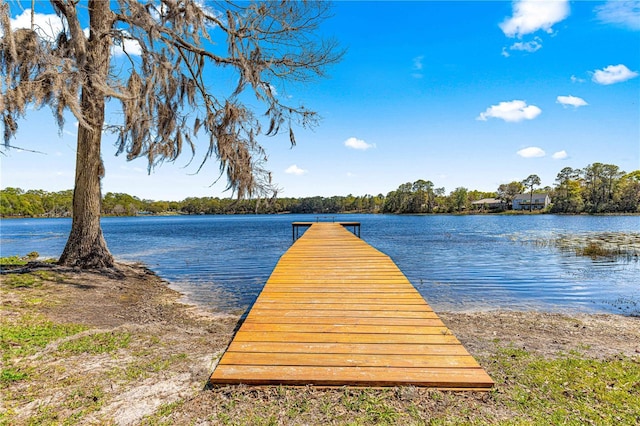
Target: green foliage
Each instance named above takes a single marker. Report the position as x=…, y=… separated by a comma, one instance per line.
x=11, y=374
x=418, y=197
x=508, y=191
x=32, y=334
x=29, y=279
x=598, y=188
x=16, y=202
x=12, y=261
x=21, y=281
x=459, y=200
x=117, y=204
x=19, y=260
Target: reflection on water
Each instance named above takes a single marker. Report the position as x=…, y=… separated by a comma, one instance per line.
x=456, y=262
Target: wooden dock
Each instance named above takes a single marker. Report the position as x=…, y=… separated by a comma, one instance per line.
x=335, y=311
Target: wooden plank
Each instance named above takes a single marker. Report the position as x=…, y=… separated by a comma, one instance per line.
x=351, y=306
x=303, y=319
x=339, y=328
x=294, y=283
x=334, y=287
x=349, y=348
x=342, y=298
x=264, y=336
x=260, y=311
x=335, y=311
x=347, y=360
x=361, y=295
x=457, y=378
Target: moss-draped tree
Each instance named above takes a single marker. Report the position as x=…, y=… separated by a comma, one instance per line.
x=163, y=86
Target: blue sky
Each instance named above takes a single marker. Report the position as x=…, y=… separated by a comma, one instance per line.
x=470, y=94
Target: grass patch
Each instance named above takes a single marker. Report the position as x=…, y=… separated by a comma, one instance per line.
x=30, y=279
x=94, y=344
x=19, y=260
x=21, y=281
x=372, y=407
x=11, y=374
x=32, y=334
x=26, y=338
x=571, y=389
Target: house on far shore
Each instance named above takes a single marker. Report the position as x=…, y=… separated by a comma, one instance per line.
x=539, y=201
x=488, y=204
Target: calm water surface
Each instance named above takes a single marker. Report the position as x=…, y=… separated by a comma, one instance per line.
x=458, y=263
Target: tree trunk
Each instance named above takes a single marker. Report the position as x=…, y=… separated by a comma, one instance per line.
x=86, y=246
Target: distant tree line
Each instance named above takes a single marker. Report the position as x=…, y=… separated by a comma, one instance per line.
x=422, y=197
x=35, y=203
x=598, y=188
x=15, y=202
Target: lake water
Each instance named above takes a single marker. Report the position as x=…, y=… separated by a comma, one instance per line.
x=458, y=263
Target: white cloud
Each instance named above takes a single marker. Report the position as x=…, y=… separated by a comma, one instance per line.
x=560, y=155
x=531, y=152
x=48, y=26
x=573, y=101
x=417, y=62
x=512, y=111
x=417, y=66
x=529, y=46
x=530, y=16
x=359, y=144
x=128, y=46
x=619, y=12
x=271, y=88
x=613, y=74
x=295, y=170
x=575, y=79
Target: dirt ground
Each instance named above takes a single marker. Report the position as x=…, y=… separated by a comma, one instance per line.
x=173, y=348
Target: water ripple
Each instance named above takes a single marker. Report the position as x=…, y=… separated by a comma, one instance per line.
x=455, y=262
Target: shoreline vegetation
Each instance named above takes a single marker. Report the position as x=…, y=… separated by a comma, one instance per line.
x=120, y=347
x=596, y=189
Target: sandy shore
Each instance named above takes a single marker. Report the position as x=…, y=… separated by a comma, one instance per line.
x=171, y=349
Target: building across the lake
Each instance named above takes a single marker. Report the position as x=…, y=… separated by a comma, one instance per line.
x=526, y=202
x=489, y=204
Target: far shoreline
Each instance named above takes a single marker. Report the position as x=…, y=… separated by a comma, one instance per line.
x=505, y=213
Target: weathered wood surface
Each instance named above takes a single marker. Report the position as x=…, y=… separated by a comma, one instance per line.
x=335, y=311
